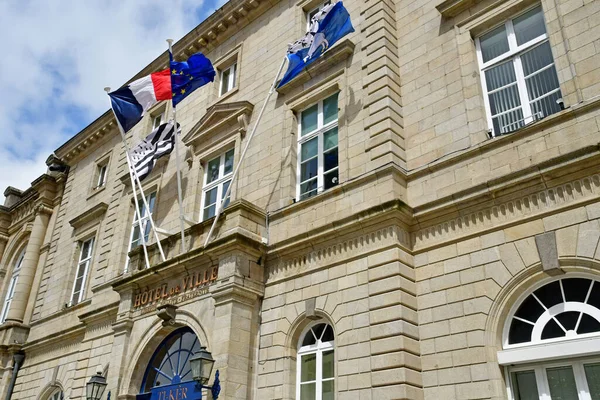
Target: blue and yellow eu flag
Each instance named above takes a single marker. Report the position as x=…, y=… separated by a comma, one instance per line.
x=187, y=76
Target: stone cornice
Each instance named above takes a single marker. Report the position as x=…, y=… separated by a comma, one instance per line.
x=70, y=151
x=451, y=8
x=89, y=215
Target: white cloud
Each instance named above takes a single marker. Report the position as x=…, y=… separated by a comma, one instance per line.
x=58, y=57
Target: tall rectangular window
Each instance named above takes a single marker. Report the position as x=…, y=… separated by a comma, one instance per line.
x=157, y=120
x=217, y=177
x=318, y=148
x=144, y=224
x=10, y=292
x=314, y=11
x=518, y=73
x=101, y=173
x=83, y=267
x=228, y=79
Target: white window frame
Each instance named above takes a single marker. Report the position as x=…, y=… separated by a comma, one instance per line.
x=157, y=120
x=319, y=132
x=85, y=262
x=310, y=13
x=102, y=170
x=10, y=290
x=541, y=377
x=57, y=394
x=513, y=53
x=230, y=80
x=318, y=348
x=218, y=183
x=144, y=220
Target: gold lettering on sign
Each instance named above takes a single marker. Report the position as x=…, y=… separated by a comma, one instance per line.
x=189, y=286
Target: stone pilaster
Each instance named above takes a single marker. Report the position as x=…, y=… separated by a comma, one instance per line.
x=394, y=332
x=384, y=123
x=234, y=344
x=29, y=266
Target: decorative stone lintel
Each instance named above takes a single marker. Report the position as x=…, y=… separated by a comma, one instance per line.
x=451, y=8
x=89, y=215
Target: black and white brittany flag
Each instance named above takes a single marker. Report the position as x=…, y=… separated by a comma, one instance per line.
x=157, y=144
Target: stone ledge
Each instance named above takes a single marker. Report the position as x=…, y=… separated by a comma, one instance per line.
x=89, y=215
x=451, y=8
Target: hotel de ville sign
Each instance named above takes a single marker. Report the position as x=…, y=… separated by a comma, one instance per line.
x=175, y=291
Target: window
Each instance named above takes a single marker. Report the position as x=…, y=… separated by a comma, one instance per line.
x=217, y=177
x=170, y=363
x=83, y=267
x=227, y=79
x=557, y=320
x=144, y=224
x=318, y=148
x=56, y=395
x=518, y=73
x=157, y=120
x=10, y=292
x=314, y=11
x=316, y=364
x=101, y=174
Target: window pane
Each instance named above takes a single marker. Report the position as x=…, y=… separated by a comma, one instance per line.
x=537, y=58
x=309, y=169
x=546, y=105
x=592, y=373
x=307, y=391
x=550, y=294
x=213, y=170
x=135, y=238
x=209, y=212
x=151, y=200
x=529, y=25
x=594, y=298
x=330, y=109
x=81, y=269
x=228, y=162
x=210, y=197
x=318, y=330
x=309, y=149
x=308, y=189
x=524, y=385
x=562, y=383
x=85, y=250
x=576, y=289
x=500, y=76
x=309, y=120
x=552, y=330
x=588, y=325
x=508, y=122
x=330, y=139
x=331, y=159
x=308, y=365
x=568, y=319
x=232, y=78
x=504, y=100
x=225, y=81
x=225, y=187
x=328, y=389
x=331, y=179
x=328, y=363
x=78, y=284
x=494, y=43
x=520, y=332
x=328, y=335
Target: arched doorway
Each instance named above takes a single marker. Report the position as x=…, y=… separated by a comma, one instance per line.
x=169, y=366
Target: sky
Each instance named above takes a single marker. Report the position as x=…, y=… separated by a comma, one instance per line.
x=60, y=54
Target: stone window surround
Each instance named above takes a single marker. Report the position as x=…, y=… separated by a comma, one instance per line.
x=510, y=55
x=101, y=161
x=233, y=56
x=321, y=347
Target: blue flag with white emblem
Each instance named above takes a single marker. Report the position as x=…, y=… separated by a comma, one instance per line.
x=326, y=27
x=187, y=76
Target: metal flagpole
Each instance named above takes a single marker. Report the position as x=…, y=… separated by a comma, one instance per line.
x=179, y=195
x=237, y=167
x=132, y=175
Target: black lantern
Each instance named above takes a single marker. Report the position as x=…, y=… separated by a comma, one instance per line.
x=202, y=364
x=95, y=387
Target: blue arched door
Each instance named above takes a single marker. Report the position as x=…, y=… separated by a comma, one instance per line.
x=170, y=363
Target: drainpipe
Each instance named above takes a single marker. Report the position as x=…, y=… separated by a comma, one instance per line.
x=18, y=359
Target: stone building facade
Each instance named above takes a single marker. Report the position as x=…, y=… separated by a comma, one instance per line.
x=416, y=218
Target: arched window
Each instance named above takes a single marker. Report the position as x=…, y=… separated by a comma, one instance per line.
x=10, y=291
x=57, y=394
x=170, y=363
x=552, y=340
x=316, y=364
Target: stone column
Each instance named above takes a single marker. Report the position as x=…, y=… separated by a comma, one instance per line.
x=236, y=324
x=30, y=262
x=3, y=241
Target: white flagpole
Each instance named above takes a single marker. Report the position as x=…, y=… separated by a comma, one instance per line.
x=237, y=167
x=179, y=195
x=133, y=174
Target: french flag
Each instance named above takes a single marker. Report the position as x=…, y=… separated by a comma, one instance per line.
x=131, y=102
